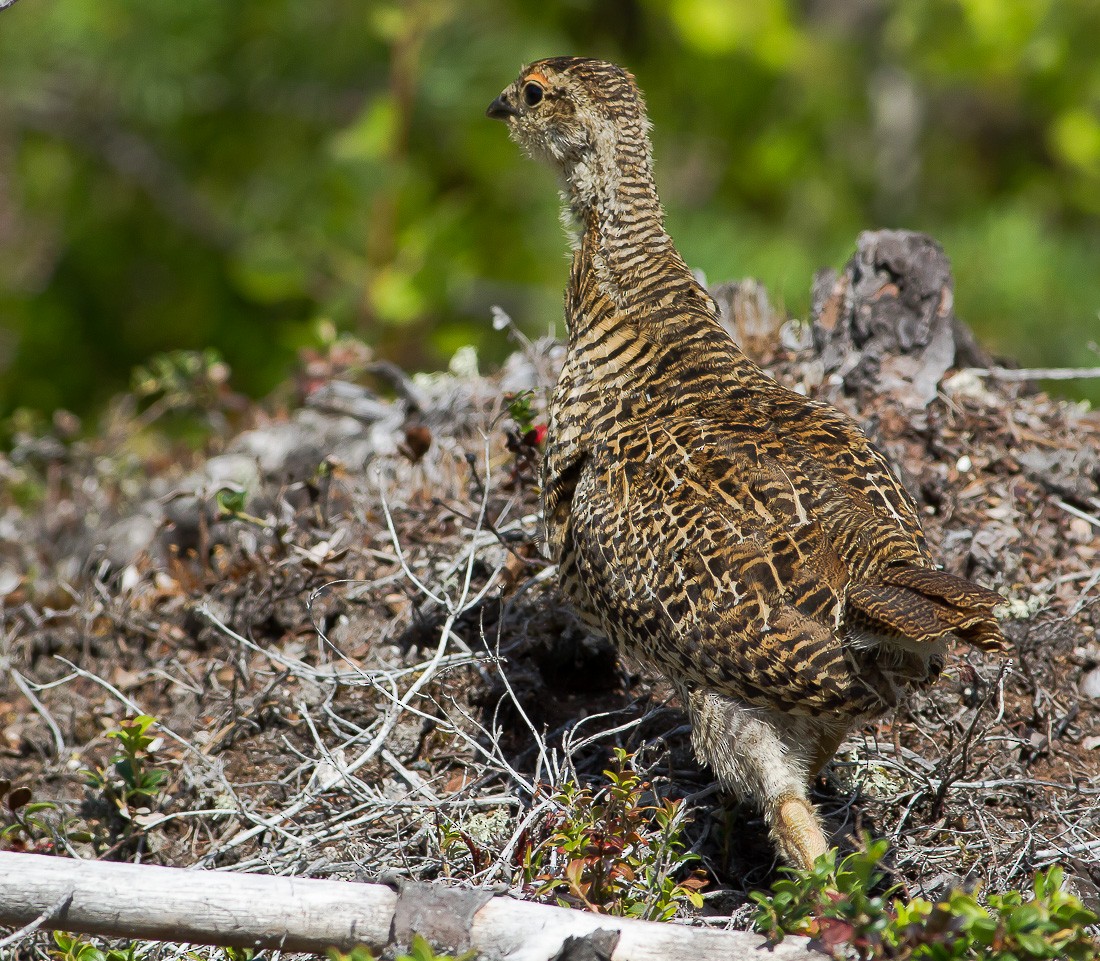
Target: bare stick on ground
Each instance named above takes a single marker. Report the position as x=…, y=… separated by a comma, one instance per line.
x=296, y=914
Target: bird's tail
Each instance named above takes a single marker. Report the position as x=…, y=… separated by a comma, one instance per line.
x=924, y=604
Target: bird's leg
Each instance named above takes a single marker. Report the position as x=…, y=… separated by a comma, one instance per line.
x=751, y=759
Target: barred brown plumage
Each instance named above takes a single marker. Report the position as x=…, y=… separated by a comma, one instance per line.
x=749, y=543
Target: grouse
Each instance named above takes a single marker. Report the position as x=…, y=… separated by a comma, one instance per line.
x=748, y=543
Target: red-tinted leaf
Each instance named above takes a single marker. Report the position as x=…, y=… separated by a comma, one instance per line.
x=832, y=933
x=535, y=436
x=623, y=870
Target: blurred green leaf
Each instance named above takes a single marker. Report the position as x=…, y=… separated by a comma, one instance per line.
x=268, y=271
x=1076, y=136
x=372, y=135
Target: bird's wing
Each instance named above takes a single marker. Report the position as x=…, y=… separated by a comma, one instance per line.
x=845, y=484
x=713, y=559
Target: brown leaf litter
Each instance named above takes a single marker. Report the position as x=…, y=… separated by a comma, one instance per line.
x=365, y=649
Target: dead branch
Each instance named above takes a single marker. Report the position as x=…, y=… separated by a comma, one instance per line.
x=295, y=914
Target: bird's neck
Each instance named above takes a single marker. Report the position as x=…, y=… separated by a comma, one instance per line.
x=629, y=278
x=612, y=197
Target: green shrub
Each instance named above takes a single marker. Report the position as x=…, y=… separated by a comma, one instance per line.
x=839, y=909
x=130, y=782
x=419, y=950
x=615, y=851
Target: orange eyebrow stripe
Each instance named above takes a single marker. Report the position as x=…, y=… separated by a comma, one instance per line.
x=538, y=78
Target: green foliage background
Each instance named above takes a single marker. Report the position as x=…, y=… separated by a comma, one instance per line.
x=230, y=174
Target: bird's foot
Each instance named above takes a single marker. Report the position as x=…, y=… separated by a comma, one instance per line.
x=797, y=832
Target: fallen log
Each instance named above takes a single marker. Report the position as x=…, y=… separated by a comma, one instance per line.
x=302, y=914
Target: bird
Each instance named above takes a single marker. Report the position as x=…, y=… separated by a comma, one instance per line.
x=748, y=543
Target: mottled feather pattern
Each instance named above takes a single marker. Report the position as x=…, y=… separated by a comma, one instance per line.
x=749, y=543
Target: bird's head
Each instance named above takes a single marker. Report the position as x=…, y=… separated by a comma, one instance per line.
x=586, y=118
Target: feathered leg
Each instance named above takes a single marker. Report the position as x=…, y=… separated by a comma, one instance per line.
x=751, y=759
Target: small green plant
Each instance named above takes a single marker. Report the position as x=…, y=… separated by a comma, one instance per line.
x=24, y=826
x=131, y=781
x=519, y=409
x=837, y=908
x=231, y=503
x=525, y=440
x=230, y=954
x=26, y=488
x=613, y=852
x=182, y=379
x=419, y=950
x=186, y=393
x=360, y=953
x=35, y=442
x=74, y=947
x=529, y=433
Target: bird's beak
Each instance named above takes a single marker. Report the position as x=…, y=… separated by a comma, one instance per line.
x=500, y=109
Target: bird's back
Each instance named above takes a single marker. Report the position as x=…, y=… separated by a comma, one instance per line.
x=724, y=529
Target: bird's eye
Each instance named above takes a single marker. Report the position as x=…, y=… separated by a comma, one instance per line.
x=532, y=94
